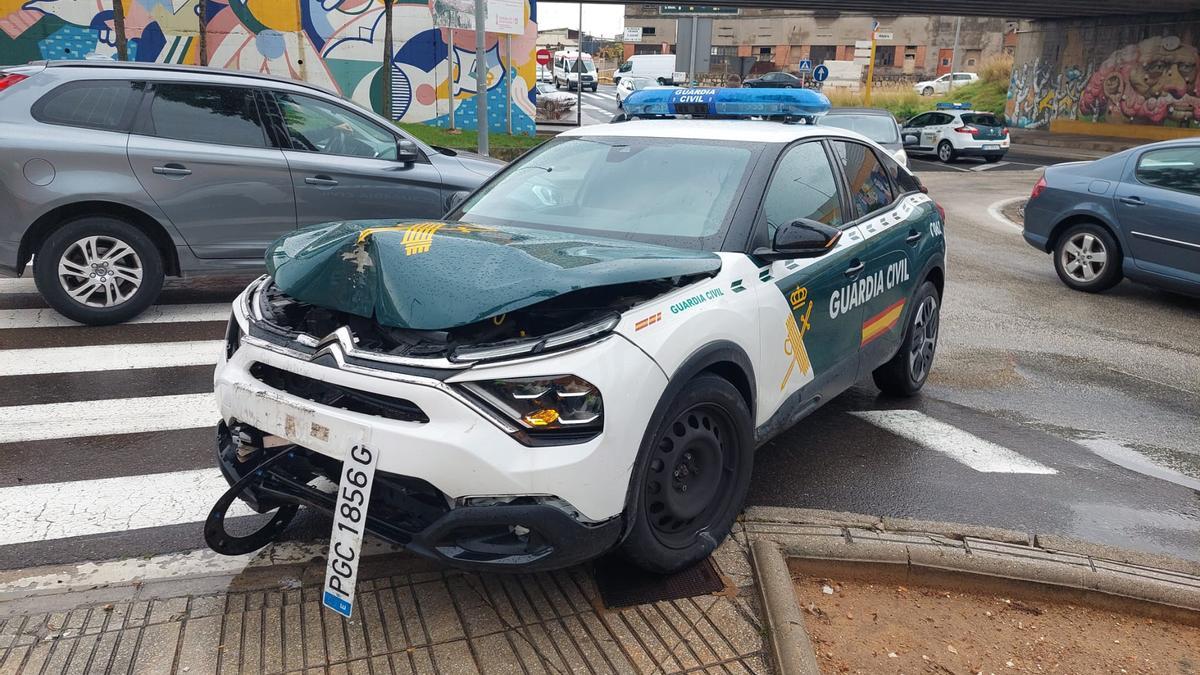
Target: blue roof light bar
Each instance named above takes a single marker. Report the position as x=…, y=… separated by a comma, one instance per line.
x=723, y=102
x=962, y=105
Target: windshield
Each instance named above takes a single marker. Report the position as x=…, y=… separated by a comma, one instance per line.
x=677, y=192
x=636, y=83
x=879, y=128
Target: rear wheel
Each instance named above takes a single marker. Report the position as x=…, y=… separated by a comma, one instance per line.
x=945, y=152
x=1087, y=258
x=927, y=91
x=691, y=477
x=906, y=372
x=98, y=270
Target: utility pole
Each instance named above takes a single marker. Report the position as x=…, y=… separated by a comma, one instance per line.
x=954, y=53
x=692, y=55
x=871, y=63
x=481, y=69
x=387, y=59
x=578, y=69
x=119, y=29
x=450, y=77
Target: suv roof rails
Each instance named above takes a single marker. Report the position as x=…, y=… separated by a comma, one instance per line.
x=179, y=68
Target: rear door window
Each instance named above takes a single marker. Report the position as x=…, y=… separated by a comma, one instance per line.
x=1171, y=168
x=207, y=114
x=107, y=105
x=981, y=120
x=868, y=182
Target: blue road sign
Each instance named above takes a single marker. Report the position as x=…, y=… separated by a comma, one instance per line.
x=821, y=72
x=805, y=65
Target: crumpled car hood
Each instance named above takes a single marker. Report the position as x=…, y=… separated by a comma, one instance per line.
x=437, y=275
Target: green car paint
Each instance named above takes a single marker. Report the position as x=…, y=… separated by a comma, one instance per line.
x=436, y=275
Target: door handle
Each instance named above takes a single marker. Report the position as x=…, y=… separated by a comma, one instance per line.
x=855, y=268
x=1132, y=201
x=321, y=181
x=172, y=169
x=914, y=236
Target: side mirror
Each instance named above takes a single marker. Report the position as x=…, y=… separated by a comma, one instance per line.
x=911, y=139
x=456, y=200
x=801, y=238
x=406, y=151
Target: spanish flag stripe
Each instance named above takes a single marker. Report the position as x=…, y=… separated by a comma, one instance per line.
x=882, y=322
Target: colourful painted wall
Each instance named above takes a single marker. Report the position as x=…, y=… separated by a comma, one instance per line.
x=333, y=43
x=1130, y=76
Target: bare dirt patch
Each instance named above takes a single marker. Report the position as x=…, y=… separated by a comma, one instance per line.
x=861, y=623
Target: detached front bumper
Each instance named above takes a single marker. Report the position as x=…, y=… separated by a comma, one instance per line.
x=409, y=512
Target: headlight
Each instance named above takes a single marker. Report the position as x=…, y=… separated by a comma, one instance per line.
x=562, y=402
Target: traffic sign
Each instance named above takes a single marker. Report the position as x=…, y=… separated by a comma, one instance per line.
x=543, y=57
x=805, y=65
x=821, y=73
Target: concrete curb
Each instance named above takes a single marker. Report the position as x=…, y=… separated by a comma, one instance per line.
x=791, y=650
x=1005, y=554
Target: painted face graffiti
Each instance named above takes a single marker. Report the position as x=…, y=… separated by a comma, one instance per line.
x=1151, y=82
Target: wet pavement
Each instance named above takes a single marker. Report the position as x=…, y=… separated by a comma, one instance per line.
x=1087, y=404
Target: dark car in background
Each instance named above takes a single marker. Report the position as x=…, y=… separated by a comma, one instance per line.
x=875, y=123
x=777, y=80
x=1134, y=214
x=117, y=175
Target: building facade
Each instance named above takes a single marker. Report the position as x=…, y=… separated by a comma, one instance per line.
x=909, y=47
x=338, y=45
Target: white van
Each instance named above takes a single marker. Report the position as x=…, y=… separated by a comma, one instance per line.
x=570, y=69
x=657, y=67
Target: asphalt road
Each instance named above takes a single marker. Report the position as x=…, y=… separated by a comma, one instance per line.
x=1048, y=411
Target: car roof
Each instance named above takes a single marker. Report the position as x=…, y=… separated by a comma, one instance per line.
x=753, y=131
x=859, y=111
x=176, y=68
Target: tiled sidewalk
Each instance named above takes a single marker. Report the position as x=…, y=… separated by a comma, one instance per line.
x=437, y=621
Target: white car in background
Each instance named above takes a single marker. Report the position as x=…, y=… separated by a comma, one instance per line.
x=942, y=84
x=628, y=85
x=953, y=131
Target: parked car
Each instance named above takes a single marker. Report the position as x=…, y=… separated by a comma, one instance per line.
x=776, y=80
x=629, y=85
x=1132, y=214
x=545, y=90
x=116, y=175
x=545, y=73
x=659, y=68
x=572, y=68
x=941, y=85
x=875, y=123
x=953, y=131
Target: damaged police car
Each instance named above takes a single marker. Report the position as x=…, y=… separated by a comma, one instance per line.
x=585, y=354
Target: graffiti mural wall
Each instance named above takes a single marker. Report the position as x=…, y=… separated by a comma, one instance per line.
x=338, y=44
x=1132, y=73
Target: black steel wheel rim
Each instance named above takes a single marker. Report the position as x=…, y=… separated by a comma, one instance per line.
x=690, y=476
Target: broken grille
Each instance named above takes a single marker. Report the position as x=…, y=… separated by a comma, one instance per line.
x=337, y=396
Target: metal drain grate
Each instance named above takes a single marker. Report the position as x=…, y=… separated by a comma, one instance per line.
x=622, y=584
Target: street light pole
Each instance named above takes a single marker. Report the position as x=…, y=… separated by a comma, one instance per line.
x=954, y=53
x=481, y=69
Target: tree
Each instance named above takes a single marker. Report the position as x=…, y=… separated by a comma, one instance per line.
x=387, y=58
x=119, y=29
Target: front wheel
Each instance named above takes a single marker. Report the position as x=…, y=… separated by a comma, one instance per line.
x=906, y=372
x=98, y=270
x=927, y=91
x=691, y=477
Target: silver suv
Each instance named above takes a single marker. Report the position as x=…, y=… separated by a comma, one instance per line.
x=115, y=175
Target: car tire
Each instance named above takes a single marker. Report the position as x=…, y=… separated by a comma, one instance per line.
x=946, y=153
x=86, y=246
x=595, y=88
x=703, y=443
x=927, y=91
x=907, y=371
x=1087, y=258
x=992, y=159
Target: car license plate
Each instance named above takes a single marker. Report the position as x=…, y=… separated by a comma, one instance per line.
x=349, y=524
x=991, y=147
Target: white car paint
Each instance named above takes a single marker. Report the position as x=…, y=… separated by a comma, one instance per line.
x=657, y=67
x=941, y=85
x=945, y=127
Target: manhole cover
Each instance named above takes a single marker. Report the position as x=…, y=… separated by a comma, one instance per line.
x=622, y=584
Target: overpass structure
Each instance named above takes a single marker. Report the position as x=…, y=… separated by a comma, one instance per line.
x=1009, y=9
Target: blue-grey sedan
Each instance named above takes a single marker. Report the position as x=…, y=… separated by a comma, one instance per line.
x=1134, y=214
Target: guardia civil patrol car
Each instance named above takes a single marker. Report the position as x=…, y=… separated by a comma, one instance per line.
x=551, y=372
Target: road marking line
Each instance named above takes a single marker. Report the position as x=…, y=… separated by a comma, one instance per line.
x=13, y=285
x=44, y=361
x=79, y=508
x=48, y=318
x=966, y=448
x=45, y=421
x=985, y=167
x=996, y=211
